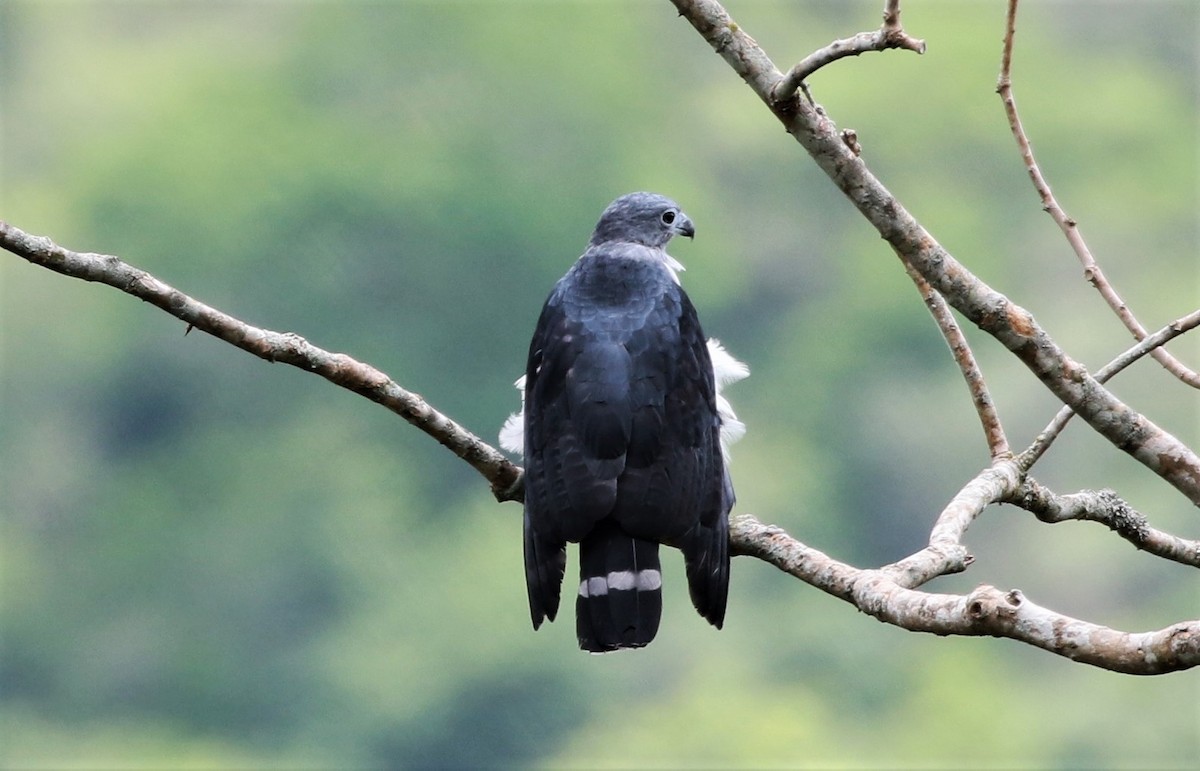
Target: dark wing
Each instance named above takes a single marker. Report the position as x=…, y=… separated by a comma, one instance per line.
x=674, y=488
x=545, y=547
x=577, y=419
x=577, y=427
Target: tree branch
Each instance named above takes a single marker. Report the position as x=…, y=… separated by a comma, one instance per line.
x=889, y=593
x=288, y=348
x=890, y=35
x=1105, y=507
x=1070, y=228
x=981, y=397
x=986, y=611
x=1148, y=344
x=1011, y=325
x=945, y=553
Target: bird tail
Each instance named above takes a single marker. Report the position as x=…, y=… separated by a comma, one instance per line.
x=706, y=557
x=620, y=591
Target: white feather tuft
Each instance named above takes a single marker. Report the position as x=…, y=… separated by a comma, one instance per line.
x=732, y=429
x=673, y=265
x=726, y=370
x=512, y=434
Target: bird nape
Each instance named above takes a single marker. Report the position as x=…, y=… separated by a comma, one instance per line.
x=625, y=433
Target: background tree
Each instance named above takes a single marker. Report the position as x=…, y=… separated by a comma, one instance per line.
x=202, y=555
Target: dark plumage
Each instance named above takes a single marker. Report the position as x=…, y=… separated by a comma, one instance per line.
x=622, y=435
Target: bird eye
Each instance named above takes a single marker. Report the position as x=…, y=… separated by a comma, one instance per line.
x=668, y=217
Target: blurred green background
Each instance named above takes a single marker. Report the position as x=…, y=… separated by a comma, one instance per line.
x=212, y=561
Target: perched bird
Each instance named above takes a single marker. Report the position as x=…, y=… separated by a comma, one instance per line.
x=624, y=432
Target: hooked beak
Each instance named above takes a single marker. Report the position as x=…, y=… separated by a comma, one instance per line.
x=684, y=226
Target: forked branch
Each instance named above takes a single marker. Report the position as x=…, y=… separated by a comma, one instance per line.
x=890, y=593
x=1148, y=344
x=890, y=35
x=1011, y=325
x=986, y=611
x=1107, y=508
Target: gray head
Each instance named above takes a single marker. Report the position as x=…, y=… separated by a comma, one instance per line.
x=643, y=218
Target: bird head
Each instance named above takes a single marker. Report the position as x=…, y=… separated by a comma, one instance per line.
x=642, y=218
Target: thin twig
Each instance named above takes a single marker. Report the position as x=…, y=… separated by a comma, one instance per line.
x=1070, y=228
x=993, y=431
x=1105, y=507
x=890, y=35
x=1148, y=344
x=338, y=368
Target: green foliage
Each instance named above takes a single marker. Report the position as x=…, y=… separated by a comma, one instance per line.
x=210, y=561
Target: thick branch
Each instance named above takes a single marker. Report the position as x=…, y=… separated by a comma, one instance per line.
x=1069, y=227
x=1013, y=326
x=986, y=611
x=284, y=347
x=890, y=595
